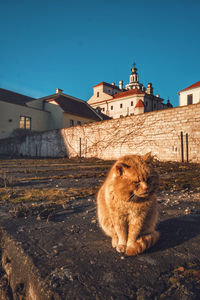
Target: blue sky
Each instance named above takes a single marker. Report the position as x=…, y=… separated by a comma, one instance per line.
x=74, y=45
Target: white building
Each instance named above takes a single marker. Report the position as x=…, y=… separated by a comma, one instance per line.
x=20, y=114
x=190, y=95
x=116, y=101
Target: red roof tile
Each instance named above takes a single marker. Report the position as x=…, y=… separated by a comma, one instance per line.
x=140, y=104
x=127, y=93
x=195, y=85
x=122, y=95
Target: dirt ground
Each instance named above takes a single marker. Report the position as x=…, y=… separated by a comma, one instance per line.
x=50, y=209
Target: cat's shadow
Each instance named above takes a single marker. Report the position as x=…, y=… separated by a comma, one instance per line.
x=177, y=230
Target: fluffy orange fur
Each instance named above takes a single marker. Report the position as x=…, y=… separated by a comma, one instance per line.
x=127, y=206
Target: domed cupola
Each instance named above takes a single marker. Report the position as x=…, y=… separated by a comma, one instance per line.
x=134, y=80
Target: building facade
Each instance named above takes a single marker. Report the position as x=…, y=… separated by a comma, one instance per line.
x=20, y=114
x=190, y=95
x=117, y=101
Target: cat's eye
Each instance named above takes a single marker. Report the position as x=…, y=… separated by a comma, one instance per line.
x=136, y=182
x=148, y=179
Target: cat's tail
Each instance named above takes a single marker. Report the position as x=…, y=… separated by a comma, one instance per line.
x=143, y=243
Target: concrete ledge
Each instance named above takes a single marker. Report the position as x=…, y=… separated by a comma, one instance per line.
x=68, y=257
x=24, y=278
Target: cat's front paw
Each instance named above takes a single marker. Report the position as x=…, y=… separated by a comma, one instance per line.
x=131, y=251
x=114, y=242
x=134, y=249
x=121, y=248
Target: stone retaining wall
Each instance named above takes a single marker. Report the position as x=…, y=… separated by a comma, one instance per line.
x=159, y=132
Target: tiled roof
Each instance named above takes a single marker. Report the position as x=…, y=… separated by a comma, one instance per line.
x=122, y=95
x=128, y=92
x=15, y=98
x=195, y=85
x=75, y=106
x=140, y=104
x=108, y=84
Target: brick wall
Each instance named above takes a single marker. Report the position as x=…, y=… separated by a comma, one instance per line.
x=158, y=132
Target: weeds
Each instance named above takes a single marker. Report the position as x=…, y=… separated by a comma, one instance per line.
x=45, y=194
x=178, y=176
x=5, y=180
x=174, y=176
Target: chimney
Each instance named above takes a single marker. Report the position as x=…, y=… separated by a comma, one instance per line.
x=149, y=89
x=121, y=84
x=59, y=91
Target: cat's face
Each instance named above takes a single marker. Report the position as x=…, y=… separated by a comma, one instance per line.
x=134, y=178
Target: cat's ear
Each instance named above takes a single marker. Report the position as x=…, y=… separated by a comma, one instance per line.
x=147, y=157
x=120, y=168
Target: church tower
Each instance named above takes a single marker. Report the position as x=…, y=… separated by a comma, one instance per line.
x=134, y=80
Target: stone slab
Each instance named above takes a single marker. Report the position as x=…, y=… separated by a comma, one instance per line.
x=64, y=255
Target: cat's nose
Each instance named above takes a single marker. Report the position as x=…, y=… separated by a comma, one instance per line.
x=144, y=186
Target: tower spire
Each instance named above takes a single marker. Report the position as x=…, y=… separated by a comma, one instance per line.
x=134, y=69
x=134, y=79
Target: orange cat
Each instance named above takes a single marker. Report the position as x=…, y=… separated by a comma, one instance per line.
x=126, y=204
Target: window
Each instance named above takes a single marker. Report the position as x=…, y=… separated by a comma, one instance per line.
x=189, y=99
x=78, y=122
x=121, y=105
x=131, y=103
x=97, y=94
x=71, y=122
x=25, y=122
x=111, y=107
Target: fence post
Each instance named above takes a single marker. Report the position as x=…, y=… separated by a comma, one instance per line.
x=182, y=150
x=36, y=150
x=187, y=153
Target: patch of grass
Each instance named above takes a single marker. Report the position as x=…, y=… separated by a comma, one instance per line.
x=73, y=176
x=178, y=176
x=51, y=169
x=6, y=180
x=48, y=195
x=174, y=176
